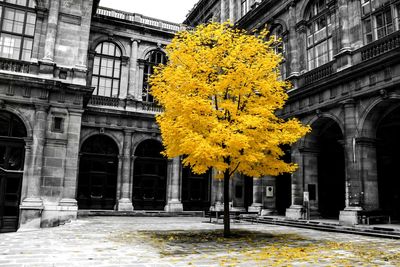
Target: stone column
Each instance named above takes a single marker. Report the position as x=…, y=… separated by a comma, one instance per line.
x=232, y=9
x=51, y=33
x=224, y=14
x=295, y=210
x=68, y=204
x=344, y=24
x=32, y=206
x=366, y=148
x=218, y=189
x=174, y=186
x=257, y=195
x=125, y=202
x=310, y=161
x=293, y=42
x=269, y=199
x=353, y=181
x=133, y=66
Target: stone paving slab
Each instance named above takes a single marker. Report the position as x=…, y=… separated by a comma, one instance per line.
x=159, y=242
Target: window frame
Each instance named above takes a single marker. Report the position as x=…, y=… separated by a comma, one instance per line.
x=148, y=71
x=315, y=14
x=102, y=56
x=27, y=9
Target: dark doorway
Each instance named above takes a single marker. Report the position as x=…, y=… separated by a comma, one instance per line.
x=331, y=171
x=388, y=158
x=284, y=186
x=248, y=192
x=150, y=177
x=195, y=190
x=12, y=154
x=98, y=172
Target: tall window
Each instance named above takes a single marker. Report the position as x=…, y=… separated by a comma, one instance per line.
x=280, y=47
x=380, y=18
x=153, y=58
x=107, y=70
x=319, y=35
x=244, y=7
x=17, y=27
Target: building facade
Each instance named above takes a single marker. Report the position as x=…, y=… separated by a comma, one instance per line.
x=342, y=57
x=77, y=127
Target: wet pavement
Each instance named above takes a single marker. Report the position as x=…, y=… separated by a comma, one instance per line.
x=185, y=241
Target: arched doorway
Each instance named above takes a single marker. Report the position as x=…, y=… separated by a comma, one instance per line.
x=149, y=177
x=388, y=158
x=195, y=190
x=98, y=173
x=12, y=155
x=324, y=168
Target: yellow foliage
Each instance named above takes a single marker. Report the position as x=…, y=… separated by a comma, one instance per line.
x=220, y=92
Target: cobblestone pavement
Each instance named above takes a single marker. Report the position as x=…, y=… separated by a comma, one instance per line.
x=134, y=241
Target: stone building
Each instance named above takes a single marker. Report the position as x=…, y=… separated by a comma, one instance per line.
x=77, y=128
x=342, y=56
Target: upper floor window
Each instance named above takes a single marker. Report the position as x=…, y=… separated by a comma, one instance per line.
x=152, y=59
x=319, y=34
x=279, y=46
x=244, y=7
x=380, y=18
x=17, y=28
x=107, y=70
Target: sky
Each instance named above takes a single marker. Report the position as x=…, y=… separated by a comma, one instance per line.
x=169, y=10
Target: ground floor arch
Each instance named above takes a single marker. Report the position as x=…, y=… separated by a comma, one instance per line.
x=324, y=168
x=149, y=176
x=98, y=173
x=388, y=159
x=12, y=156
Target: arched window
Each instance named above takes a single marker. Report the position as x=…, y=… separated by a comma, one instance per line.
x=152, y=59
x=107, y=70
x=17, y=20
x=379, y=19
x=319, y=34
x=279, y=46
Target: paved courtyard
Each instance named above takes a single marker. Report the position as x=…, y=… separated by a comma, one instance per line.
x=134, y=241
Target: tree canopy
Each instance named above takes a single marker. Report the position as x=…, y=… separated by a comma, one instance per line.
x=220, y=91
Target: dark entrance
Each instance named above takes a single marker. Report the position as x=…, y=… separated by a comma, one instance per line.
x=98, y=172
x=150, y=177
x=12, y=154
x=284, y=186
x=195, y=190
x=248, y=192
x=388, y=158
x=331, y=171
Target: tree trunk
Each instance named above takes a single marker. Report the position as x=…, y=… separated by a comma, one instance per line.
x=227, y=222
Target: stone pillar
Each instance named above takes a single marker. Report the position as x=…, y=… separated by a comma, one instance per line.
x=218, y=189
x=257, y=195
x=133, y=66
x=125, y=202
x=310, y=159
x=269, y=199
x=32, y=206
x=366, y=148
x=174, y=186
x=51, y=33
x=296, y=209
x=68, y=204
x=353, y=182
x=293, y=42
x=224, y=14
x=232, y=9
x=344, y=24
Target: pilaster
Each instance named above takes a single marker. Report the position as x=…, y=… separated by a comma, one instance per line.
x=174, y=186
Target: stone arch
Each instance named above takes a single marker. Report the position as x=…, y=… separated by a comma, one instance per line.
x=278, y=22
x=304, y=8
x=375, y=112
x=108, y=134
x=23, y=118
x=113, y=40
x=150, y=49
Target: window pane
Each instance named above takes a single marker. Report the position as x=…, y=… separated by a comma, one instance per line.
x=10, y=46
x=30, y=24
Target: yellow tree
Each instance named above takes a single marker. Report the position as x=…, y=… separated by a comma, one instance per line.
x=220, y=91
